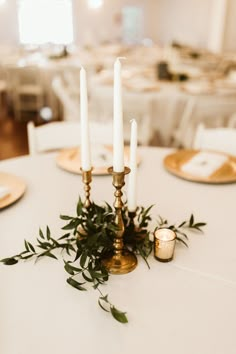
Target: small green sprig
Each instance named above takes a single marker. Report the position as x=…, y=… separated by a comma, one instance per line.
x=180, y=229
x=44, y=248
x=89, y=236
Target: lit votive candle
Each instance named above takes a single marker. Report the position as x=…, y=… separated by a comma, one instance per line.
x=164, y=244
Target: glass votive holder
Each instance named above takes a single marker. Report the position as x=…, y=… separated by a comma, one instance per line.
x=164, y=244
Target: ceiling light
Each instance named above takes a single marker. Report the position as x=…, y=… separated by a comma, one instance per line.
x=95, y=4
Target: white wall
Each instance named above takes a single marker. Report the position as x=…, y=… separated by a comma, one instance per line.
x=8, y=23
x=164, y=20
x=103, y=24
x=230, y=27
x=182, y=20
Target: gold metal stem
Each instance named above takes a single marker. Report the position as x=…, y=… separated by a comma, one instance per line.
x=120, y=261
x=87, y=179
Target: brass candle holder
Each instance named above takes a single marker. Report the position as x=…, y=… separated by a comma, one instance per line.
x=120, y=260
x=87, y=179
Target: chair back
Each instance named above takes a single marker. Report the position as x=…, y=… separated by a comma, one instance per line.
x=134, y=107
x=211, y=111
x=217, y=139
x=59, y=135
x=52, y=136
x=69, y=104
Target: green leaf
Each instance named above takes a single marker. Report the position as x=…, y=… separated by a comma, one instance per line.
x=27, y=257
x=68, y=269
x=199, y=224
x=79, y=208
x=72, y=225
x=41, y=233
x=182, y=234
x=48, y=233
x=191, y=221
x=83, y=259
x=66, y=217
x=64, y=236
x=76, y=269
x=26, y=246
x=31, y=247
x=90, y=280
x=47, y=254
x=118, y=315
x=76, y=284
x=9, y=261
x=182, y=241
x=78, y=254
x=182, y=224
x=102, y=307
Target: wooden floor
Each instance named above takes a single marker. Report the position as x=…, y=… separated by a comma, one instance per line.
x=13, y=137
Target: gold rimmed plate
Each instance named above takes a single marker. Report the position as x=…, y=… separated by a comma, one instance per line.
x=16, y=187
x=69, y=159
x=226, y=173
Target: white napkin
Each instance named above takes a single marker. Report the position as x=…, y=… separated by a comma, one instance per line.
x=4, y=191
x=204, y=164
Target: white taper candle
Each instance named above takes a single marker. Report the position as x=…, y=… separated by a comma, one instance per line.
x=118, y=135
x=84, y=124
x=132, y=178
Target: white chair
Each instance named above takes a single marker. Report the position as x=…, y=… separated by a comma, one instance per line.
x=217, y=139
x=58, y=135
x=27, y=90
x=212, y=111
x=70, y=104
x=135, y=106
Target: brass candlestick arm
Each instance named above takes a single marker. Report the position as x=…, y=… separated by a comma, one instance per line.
x=120, y=261
x=87, y=179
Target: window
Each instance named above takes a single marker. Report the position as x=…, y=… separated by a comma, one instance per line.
x=95, y=4
x=132, y=21
x=44, y=21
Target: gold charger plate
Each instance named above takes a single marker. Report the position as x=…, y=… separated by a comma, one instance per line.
x=225, y=174
x=16, y=186
x=69, y=160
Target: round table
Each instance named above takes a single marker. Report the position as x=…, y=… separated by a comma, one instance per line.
x=185, y=306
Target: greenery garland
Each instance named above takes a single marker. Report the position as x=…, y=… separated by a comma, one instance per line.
x=89, y=236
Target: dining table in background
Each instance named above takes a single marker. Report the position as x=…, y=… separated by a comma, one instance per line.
x=184, y=306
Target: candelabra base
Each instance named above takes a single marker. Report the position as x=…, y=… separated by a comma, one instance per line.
x=121, y=263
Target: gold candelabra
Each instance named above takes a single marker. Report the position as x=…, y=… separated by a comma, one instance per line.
x=87, y=179
x=120, y=260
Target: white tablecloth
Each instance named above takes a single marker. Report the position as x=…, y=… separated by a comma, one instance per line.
x=185, y=306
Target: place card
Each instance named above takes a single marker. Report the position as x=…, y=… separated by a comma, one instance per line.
x=204, y=164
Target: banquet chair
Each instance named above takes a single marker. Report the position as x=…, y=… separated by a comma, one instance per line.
x=217, y=139
x=212, y=111
x=26, y=90
x=58, y=135
x=134, y=107
x=70, y=104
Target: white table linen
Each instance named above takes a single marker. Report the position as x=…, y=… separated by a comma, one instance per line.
x=186, y=306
